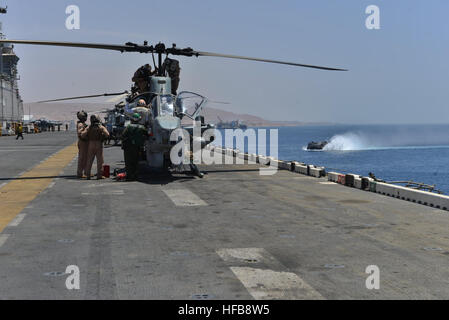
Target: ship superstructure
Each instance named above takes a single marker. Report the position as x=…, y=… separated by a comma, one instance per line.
x=10, y=99
x=234, y=124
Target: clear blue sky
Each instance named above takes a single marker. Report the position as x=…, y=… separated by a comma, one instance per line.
x=398, y=74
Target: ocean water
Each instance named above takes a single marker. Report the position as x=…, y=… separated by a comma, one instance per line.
x=392, y=152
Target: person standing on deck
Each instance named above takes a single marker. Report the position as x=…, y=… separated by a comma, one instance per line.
x=133, y=138
x=96, y=133
x=81, y=126
x=19, y=131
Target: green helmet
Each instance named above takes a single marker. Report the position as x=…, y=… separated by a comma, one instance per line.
x=136, y=117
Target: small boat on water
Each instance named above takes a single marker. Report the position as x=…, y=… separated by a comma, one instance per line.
x=317, y=145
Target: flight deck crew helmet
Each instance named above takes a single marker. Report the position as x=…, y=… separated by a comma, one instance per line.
x=82, y=116
x=135, y=117
x=94, y=119
x=143, y=73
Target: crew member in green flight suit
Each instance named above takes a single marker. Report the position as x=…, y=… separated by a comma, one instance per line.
x=133, y=138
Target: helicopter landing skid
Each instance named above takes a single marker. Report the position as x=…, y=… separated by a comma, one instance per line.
x=182, y=168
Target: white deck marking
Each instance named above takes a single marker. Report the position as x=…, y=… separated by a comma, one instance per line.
x=3, y=238
x=269, y=284
x=184, y=198
x=243, y=254
x=327, y=182
x=17, y=220
x=3, y=184
x=101, y=185
x=51, y=185
x=262, y=282
x=112, y=192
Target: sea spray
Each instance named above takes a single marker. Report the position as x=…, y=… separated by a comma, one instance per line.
x=347, y=141
x=388, y=138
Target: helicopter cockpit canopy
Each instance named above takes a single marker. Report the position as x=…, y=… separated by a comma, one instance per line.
x=163, y=108
x=190, y=104
x=166, y=105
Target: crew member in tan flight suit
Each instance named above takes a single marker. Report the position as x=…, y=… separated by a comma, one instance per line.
x=141, y=78
x=95, y=134
x=171, y=66
x=82, y=144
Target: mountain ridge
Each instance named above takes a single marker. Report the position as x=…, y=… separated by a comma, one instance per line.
x=67, y=111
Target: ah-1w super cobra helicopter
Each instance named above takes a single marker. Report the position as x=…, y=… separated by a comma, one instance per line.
x=168, y=108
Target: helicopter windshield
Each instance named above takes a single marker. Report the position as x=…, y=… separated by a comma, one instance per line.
x=167, y=105
x=190, y=103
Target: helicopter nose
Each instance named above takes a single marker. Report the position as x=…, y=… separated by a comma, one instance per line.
x=168, y=122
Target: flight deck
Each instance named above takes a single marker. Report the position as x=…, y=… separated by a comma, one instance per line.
x=235, y=234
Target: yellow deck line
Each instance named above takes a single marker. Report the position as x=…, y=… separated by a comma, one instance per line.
x=17, y=194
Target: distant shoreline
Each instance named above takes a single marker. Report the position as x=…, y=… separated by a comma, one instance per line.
x=67, y=112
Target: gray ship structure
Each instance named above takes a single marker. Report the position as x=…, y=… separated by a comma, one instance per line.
x=234, y=124
x=10, y=99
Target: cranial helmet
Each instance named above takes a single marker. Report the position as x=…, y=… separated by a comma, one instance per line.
x=82, y=116
x=94, y=119
x=144, y=71
x=136, y=117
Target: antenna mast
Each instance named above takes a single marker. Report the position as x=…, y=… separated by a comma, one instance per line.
x=3, y=10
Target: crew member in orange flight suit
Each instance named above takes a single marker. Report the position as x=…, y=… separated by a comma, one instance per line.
x=82, y=144
x=96, y=133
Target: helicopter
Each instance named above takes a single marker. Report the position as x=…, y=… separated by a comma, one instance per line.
x=165, y=108
x=115, y=121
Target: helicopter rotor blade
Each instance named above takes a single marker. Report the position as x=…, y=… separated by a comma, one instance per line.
x=212, y=54
x=208, y=100
x=85, y=97
x=92, y=111
x=161, y=49
x=117, y=99
x=128, y=47
x=218, y=102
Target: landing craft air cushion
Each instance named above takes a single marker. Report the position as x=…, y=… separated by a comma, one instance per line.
x=317, y=145
x=165, y=108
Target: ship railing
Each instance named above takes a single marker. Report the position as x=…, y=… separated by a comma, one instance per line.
x=417, y=185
